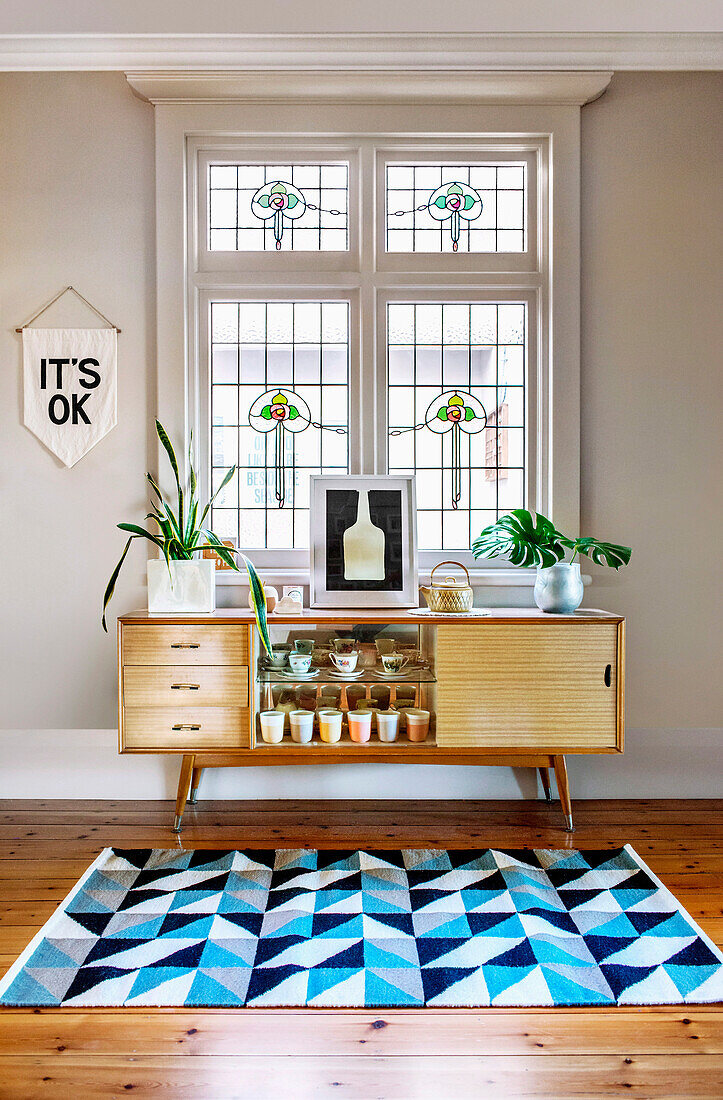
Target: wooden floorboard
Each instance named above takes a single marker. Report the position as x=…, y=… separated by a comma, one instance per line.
x=396, y=1055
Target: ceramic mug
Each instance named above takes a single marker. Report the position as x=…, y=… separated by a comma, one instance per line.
x=345, y=662
x=387, y=725
x=360, y=725
x=302, y=726
x=393, y=662
x=300, y=662
x=330, y=725
x=272, y=726
x=417, y=724
x=304, y=645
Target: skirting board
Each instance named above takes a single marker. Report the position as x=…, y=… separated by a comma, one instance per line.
x=72, y=763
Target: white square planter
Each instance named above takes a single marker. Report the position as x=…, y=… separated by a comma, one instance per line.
x=190, y=587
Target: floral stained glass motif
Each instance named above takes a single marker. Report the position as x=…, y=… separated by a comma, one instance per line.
x=279, y=409
x=455, y=208
x=456, y=412
x=276, y=207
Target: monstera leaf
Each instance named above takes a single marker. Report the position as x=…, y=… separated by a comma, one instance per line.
x=602, y=553
x=521, y=538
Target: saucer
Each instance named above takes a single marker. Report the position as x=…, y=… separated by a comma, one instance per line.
x=401, y=675
x=347, y=675
x=289, y=675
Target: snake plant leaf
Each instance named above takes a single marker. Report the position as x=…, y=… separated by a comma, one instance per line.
x=521, y=539
x=168, y=447
x=604, y=553
x=192, y=472
x=140, y=533
x=110, y=589
x=258, y=597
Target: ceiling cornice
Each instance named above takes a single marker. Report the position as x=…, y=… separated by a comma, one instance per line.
x=572, y=89
x=379, y=52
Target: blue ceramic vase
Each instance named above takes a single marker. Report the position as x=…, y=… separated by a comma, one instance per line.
x=559, y=589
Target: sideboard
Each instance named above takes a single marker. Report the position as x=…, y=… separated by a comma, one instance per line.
x=514, y=687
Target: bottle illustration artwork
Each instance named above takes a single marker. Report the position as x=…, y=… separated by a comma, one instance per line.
x=363, y=546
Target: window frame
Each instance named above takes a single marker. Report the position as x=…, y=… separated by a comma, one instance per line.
x=210, y=109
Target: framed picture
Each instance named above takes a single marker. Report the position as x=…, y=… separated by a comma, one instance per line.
x=363, y=540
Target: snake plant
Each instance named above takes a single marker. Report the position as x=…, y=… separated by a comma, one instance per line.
x=533, y=540
x=180, y=532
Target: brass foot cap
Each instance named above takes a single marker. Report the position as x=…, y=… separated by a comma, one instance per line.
x=177, y=823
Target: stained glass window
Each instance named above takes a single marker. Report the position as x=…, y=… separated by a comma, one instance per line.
x=455, y=208
x=298, y=353
x=456, y=413
x=277, y=207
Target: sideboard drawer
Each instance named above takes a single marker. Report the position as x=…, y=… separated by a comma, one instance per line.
x=211, y=644
x=186, y=686
x=501, y=687
x=185, y=729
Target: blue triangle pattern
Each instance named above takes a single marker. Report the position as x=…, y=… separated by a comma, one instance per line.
x=391, y=928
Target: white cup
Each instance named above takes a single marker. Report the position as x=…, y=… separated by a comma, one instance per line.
x=300, y=662
x=330, y=725
x=393, y=662
x=302, y=726
x=360, y=725
x=345, y=662
x=272, y=726
x=387, y=724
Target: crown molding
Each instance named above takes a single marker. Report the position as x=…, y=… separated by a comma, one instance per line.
x=359, y=51
x=568, y=88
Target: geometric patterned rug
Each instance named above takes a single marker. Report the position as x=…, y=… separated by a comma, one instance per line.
x=367, y=929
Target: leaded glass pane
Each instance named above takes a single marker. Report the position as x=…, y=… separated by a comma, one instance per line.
x=456, y=413
x=455, y=208
x=271, y=364
x=276, y=207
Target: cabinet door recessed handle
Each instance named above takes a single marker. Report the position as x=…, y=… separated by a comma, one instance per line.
x=185, y=687
x=608, y=675
x=186, y=726
x=185, y=645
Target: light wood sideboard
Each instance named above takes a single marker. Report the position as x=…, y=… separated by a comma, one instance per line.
x=517, y=688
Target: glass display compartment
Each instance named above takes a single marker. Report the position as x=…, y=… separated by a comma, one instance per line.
x=366, y=670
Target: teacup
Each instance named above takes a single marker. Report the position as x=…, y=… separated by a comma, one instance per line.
x=299, y=662
x=344, y=645
x=393, y=662
x=277, y=658
x=345, y=662
x=304, y=645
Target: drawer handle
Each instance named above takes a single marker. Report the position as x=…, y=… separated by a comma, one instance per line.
x=608, y=675
x=185, y=645
x=185, y=687
x=186, y=726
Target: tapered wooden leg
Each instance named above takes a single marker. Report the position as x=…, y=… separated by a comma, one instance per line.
x=195, y=780
x=545, y=777
x=184, y=782
x=563, y=790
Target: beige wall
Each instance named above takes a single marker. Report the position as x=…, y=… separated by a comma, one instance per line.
x=652, y=383
x=76, y=206
x=76, y=202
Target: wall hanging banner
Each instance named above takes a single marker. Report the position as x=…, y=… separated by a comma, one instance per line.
x=70, y=387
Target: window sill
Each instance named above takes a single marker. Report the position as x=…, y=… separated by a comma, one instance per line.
x=480, y=578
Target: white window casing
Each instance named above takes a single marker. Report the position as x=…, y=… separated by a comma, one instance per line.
x=379, y=121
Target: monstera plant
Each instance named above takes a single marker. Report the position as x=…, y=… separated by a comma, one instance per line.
x=533, y=540
x=179, y=531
